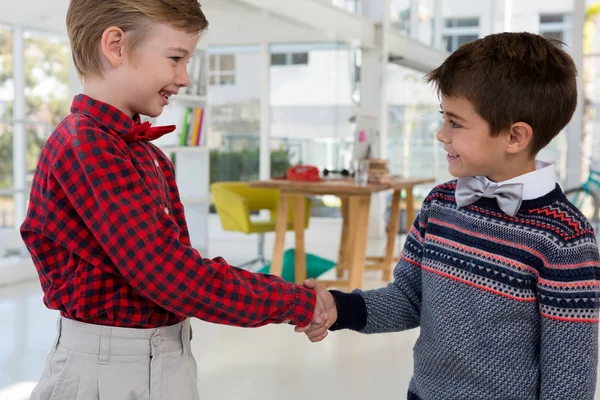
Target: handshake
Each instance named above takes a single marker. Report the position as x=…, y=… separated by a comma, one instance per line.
x=325, y=313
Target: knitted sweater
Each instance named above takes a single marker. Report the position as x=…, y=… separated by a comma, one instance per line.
x=508, y=307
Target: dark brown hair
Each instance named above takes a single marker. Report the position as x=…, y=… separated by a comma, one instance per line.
x=88, y=19
x=513, y=77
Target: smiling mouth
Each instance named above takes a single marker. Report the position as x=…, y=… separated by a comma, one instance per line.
x=453, y=156
x=166, y=95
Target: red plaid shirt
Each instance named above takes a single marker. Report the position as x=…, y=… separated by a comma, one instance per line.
x=107, y=233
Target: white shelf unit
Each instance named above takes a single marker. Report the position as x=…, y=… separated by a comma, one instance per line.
x=192, y=173
x=192, y=163
x=187, y=99
x=185, y=149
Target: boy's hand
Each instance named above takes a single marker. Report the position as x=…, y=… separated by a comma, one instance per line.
x=317, y=330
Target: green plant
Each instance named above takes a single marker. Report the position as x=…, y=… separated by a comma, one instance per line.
x=244, y=165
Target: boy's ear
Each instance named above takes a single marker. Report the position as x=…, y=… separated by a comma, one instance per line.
x=113, y=45
x=520, y=136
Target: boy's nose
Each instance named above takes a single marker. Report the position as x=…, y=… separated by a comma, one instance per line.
x=183, y=78
x=441, y=137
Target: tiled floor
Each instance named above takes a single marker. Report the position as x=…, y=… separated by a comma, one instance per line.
x=266, y=363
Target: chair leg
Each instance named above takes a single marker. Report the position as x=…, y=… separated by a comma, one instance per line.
x=261, y=246
x=261, y=254
x=261, y=249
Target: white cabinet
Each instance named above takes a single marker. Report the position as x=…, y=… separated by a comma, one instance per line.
x=192, y=173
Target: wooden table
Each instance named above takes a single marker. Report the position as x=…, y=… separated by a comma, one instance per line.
x=356, y=201
x=397, y=185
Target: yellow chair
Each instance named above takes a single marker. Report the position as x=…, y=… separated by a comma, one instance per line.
x=236, y=201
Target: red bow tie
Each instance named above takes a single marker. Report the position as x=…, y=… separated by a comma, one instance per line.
x=145, y=131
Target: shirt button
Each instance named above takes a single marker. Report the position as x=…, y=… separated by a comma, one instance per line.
x=166, y=210
x=156, y=163
x=156, y=340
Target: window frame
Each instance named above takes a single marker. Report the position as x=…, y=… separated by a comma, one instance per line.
x=216, y=75
x=289, y=58
x=452, y=32
x=565, y=27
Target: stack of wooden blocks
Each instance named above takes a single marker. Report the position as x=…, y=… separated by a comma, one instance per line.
x=378, y=170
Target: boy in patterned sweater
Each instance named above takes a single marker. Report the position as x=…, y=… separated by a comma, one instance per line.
x=500, y=271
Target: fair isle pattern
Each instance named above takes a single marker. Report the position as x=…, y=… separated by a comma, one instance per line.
x=481, y=282
x=507, y=306
x=553, y=260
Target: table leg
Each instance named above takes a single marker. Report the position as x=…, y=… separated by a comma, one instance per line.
x=299, y=253
x=341, y=264
x=388, y=259
x=280, y=229
x=357, y=248
x=410, y=209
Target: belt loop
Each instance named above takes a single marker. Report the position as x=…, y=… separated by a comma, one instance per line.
x=104, y=346
x=185, y=338
x=58, y=332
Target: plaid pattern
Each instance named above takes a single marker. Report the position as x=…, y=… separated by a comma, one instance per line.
x=106, y=231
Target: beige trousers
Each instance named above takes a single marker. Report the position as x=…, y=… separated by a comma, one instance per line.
x=95, y=362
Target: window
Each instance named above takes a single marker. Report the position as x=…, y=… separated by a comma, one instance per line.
x=458, y=31
x=556, y=26
x=353, y=6
x=7, y=204
x=462, y=23
x=300, y=58
x=46, y=103
x=222, y=69
x=278, y=59
x=289, y=59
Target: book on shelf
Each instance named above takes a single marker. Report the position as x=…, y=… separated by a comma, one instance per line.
x=190, y=123
x=192, y=127
x=184, y=127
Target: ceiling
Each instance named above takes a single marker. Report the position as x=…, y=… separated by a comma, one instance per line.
x=231, y=22
x=251, y=22
x=46, y=15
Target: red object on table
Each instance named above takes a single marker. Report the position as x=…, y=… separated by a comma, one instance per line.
x=303, y=173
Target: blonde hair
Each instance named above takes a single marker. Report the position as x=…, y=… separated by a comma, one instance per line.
x=88, y=19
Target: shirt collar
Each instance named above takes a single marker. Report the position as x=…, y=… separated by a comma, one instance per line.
x=535, y=183
x=103, y=113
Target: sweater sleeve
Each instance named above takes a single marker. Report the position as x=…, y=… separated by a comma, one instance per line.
x=396, y=307
x=568, y=300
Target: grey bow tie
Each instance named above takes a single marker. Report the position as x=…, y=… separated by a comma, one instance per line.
x=471, y=189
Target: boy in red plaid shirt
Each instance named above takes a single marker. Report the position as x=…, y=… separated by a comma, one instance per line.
x=106, y=228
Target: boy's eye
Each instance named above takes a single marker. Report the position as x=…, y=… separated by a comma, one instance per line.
x=176, y=59
x=451, y=122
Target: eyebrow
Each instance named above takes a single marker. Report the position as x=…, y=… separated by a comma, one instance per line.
x=180, y=49
x=452, y=115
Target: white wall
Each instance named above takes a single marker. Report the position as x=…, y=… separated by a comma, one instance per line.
x=247, y=83
x=324, y=81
